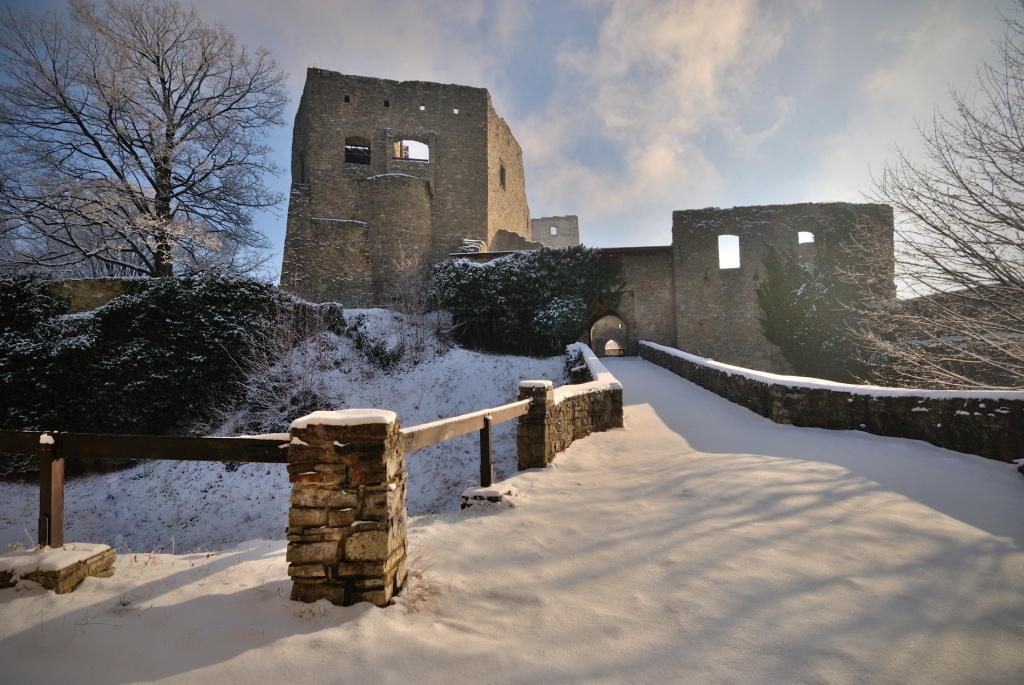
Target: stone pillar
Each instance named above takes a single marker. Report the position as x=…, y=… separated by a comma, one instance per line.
x=347, y=521
x=533, y=440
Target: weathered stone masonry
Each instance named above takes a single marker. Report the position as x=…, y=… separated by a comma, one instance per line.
x=987, y=426
x=347, y=522
x=356, y=201
x=557, y=417
x=679, y=296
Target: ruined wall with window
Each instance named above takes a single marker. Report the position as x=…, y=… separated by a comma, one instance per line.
x=381, y=167
x=556, y=231
x=698, y=294
x=716, y=308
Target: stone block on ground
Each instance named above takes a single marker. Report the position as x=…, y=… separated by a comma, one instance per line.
x=490, y=496
x=59, y=569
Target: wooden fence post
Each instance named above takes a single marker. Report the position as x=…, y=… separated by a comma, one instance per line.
x=51, y=493
x=486, y=455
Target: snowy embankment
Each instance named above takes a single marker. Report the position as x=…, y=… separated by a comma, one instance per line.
x=700, y=544
x=184, y=506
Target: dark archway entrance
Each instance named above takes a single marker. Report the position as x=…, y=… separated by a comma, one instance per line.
x=608, y=337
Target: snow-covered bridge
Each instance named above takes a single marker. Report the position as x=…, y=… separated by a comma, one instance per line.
x=701, y=543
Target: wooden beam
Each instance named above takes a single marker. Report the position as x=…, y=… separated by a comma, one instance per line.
x=96, y=446
x=24, y=443
x=426, y=434
x=101, y=446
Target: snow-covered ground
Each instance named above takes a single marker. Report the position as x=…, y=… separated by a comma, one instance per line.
x=699, y=544
x=186, y=506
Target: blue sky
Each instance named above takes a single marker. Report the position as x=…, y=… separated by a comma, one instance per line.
x=627, y=111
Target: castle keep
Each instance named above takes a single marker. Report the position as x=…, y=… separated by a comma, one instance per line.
x=383, y=170
x=385, y=167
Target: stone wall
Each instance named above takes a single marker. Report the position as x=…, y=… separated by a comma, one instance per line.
x=559, y=416
x=453, y=195
x=716, y=308
x=646, y=307
x=506, y=241
x=989, y=424
x=347, y=522
x=86, y=294
x=567, y=230
x=506, y=202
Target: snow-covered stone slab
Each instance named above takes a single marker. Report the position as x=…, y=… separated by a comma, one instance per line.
x=59, y=569
x=487, y=496
x=345, y=417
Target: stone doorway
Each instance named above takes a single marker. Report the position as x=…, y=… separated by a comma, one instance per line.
x=608, y=337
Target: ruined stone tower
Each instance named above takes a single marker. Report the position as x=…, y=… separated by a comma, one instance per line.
x=385, y=167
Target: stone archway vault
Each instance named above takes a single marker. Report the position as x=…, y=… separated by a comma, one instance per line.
x=609, y=336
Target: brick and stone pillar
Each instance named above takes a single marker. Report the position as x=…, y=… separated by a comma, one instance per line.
x=347, y=521
x=533, y=436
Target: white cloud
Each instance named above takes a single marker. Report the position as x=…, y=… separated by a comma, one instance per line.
x=935, y=47
x=658, y=76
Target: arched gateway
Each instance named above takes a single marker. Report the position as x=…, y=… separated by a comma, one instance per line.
x=608, y=336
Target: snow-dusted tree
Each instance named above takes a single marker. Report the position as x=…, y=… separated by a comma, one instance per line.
x=131, y=139
x=960, y=237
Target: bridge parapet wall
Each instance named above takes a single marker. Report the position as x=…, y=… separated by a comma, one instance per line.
x=987, y=423
x=560, y=416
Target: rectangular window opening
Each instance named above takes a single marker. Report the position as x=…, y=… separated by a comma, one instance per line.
x=501, y=176
x=554, y=230
x=804, y=237
x=387, y=103
x=347, y=99
x=422, y=107
x=728, y=252
x=413, y=150
x=357, y=153
x=456, y=110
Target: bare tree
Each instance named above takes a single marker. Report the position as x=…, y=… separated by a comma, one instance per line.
x=131, y=139
x=960, y=238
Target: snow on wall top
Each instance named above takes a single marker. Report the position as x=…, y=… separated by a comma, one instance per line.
x=820, y=384
x=345, y=417
x=603, y=379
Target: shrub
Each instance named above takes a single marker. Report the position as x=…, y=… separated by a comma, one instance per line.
x=806, y=310
x=153, y=359
x=530, y=303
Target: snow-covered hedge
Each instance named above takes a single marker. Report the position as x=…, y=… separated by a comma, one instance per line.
x=149, y=361
x=530, y=303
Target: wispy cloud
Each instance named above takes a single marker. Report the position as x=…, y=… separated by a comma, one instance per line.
x=657, y=76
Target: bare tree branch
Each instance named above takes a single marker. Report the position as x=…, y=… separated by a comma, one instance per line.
x=960, y=238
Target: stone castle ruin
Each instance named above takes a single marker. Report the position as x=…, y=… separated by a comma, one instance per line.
x=384, y=170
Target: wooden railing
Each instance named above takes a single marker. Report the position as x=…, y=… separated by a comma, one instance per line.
x=426, y=434
x=53, y=447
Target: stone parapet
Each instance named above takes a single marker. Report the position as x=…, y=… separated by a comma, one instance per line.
x=347, y=522
x=558, y=417
x=987, y=423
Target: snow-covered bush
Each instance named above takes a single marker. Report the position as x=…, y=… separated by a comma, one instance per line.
x=530, y=303
x=152, y=360
x=283, y=369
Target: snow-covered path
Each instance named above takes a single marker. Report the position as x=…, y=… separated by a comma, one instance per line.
x=700, y=544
